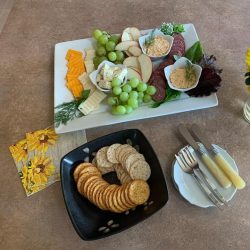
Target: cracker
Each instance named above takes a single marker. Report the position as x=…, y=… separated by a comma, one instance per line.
x=98, y=196
x=111, y=152
x=79, y=168
x=121, y=151
x=131, y=159
x=106, y=193
x=138, y=192
x=101, y=158
x=140, y=170
x=87, y=183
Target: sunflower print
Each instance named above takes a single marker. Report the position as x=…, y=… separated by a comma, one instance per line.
x=41, y=139
x=42, y=168
x=248, y=59
x=19, y=151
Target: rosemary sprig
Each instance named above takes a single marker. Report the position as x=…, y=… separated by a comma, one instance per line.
x=189, y=71
x=68, y=111
x=150, y=40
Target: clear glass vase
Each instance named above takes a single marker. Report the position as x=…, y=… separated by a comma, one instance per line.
x=246, y=110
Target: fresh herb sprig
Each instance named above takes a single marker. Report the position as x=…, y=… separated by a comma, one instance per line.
x=171, y=28
x=150, y=40
x=189, y=71
x=68, y=111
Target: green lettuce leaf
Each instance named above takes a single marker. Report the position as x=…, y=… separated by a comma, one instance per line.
x=195, y=53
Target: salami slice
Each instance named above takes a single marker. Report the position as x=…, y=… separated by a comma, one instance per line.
x=178, y=47
x=160, y=93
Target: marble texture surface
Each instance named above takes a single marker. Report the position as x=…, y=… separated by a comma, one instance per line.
x=26, y=103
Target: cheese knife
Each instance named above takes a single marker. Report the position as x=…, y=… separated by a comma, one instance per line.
x=237, y=181
x=212, y=166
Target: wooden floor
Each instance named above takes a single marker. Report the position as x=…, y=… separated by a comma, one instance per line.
x=5, y=8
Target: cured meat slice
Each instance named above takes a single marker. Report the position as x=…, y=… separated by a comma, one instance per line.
x=178, y=47
x=160, y=93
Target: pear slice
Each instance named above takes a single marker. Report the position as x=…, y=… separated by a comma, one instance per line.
x=126, y=36
x=123, y=46
x=135, y=51
x=132, y=61
x=132, y=73
x=146, y=67
x=135, y=33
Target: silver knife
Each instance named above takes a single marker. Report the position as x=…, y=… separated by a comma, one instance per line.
x=238, y=182
x=188, y=137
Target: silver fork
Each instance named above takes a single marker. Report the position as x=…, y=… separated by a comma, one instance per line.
x=185, y=167
x=193, y=163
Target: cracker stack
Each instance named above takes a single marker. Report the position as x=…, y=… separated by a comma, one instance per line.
x=107, y=196
x=125, y=160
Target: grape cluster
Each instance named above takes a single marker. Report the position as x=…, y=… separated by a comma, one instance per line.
x=106, y=48
x=128, y=97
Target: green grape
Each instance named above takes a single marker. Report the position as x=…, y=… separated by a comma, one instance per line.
x=142, y=87
x=112, y=56
x=140, y=95
x=117, y=90
x=103, y=39
x=114, y=39
x=126, y=88
x=133, y=82
x=100, y=51
x=147, y=98
x=96, y=61
x=116, y=82
x=114, y=110
x=151, y=90
x=110, y=46
x=124, y=96
x=129, y=109
x=133, y=94
x=132, y=102
x=121, y=110
x=97, y=33
x=119, y=55
x=111, y=101
x=117, y=62
x=102, y=58
x=140, y=100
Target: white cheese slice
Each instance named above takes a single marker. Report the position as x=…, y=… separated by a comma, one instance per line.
x=92, y=102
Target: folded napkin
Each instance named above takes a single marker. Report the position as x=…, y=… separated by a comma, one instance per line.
x=37, y=157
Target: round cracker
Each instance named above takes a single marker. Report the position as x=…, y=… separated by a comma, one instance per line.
x=98, y=196
x=101, y=158
x=87, y=183
x=111, y=156
x=123, y=149
x=105, y=195
x=131, y=159
x=138, y=192
x=111, y=202
x=96, y=189
x=115, y=204
x=140, y=170
x=126, y=195
x=79, y=168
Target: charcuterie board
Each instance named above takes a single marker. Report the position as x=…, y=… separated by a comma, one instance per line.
x=103, y=116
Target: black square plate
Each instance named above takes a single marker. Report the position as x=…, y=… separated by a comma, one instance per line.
x=89, y=221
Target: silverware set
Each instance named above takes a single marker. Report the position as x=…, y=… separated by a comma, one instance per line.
x=189, y=165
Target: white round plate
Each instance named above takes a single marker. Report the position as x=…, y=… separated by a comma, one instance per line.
x=190, y=190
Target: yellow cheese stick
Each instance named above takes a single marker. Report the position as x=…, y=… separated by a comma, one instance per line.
x=216, y=171
x=237, y=181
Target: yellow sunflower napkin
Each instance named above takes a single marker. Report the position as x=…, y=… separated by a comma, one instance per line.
x=37, y=157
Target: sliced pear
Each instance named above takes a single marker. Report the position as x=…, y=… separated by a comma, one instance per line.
x=132, y=61
x=132, y=73
x=146, y=67
x=135, y=33
x=126, y=36
x=128, y=53
x=135, y=51
x=123, y=46
x=136, y=69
